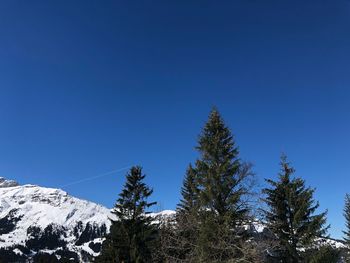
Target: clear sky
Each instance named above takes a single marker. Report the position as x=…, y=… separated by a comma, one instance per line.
x=87, y=87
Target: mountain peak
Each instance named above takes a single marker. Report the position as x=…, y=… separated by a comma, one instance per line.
x=7, y=183
x=37, y=220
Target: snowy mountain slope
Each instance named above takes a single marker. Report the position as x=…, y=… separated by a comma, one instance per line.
x=46, y=219
x=39, y=206
x=7, y=183
x=47, y=224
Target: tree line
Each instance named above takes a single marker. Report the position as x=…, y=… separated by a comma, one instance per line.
x=219, y=212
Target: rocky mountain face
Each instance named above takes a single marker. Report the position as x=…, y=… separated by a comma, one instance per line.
x=38, y=222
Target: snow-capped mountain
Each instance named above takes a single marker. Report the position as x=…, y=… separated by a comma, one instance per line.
x=38, y=219
x=39, y=223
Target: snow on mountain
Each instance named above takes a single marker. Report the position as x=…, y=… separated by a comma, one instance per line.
x=47, y=219
x=7, y=183
x=38, y=222
x=39, y=206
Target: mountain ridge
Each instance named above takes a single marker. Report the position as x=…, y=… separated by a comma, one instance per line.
x=39, y=221
x=42, y=224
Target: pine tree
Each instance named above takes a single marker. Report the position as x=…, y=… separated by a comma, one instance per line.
x=347, y=225
x=220, y=171
x=291, y=215
x=212, y=206
x=347, y=220
x=216, y=185
x=189, y=192
x=183, y=236
x=324, y=253
x=133, y=235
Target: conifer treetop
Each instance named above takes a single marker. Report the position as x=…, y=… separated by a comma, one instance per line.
x=220, y=171
x=291, y=214
x=216, y=140
x=347, y=220
x=132, y=202
x=189, y=191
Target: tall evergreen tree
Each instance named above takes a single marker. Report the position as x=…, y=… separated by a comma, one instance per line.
x=347, y=219
x=220, y=171
x=347, y=226
x=291, y=214
x=212, y=204
x=133, y=234
x=183, y=236
x=189, y=192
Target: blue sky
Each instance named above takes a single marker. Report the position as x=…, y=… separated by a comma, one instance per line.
x=87, y=87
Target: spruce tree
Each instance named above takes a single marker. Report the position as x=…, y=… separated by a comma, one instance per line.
x=347, y=219
x=323, y=253
x=133, y=235
x=347, y=226
x=214, y=189
x=291, y=214
x=183, y=236
x=220, y=171
x=189, y=192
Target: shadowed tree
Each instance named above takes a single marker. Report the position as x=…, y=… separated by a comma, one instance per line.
x=347, y=226
x=291, y=214
x=220, y=171
x=133, y=236
x=189, y=192
x=212, y=206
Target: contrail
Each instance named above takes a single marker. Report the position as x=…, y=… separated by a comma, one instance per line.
x=97, y=176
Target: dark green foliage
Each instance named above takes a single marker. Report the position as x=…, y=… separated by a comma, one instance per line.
x=8, y=223
x=8, y=256
x=91, y=232
x=323, y=254
x=347, y=220
x=96, y=247
x=178, y=236
x=45, y=258
x=69, y=256
x=219, y=170
x=212, y=208
x=133, y=235
x=291, y=215
x=49, y=238
x=189, y=192
x=220, y=176
x=347, y=227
